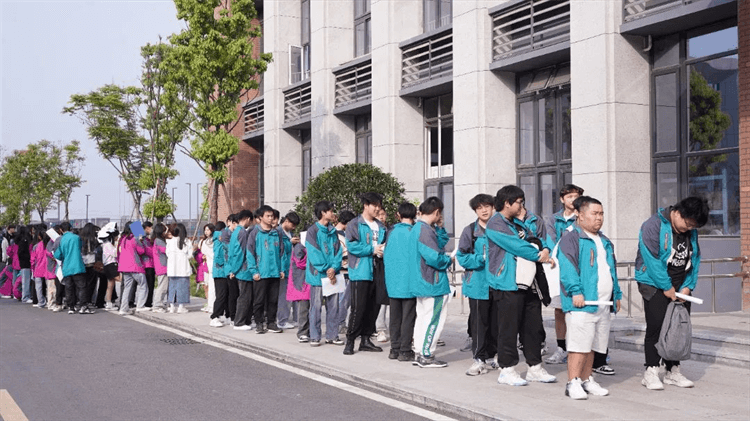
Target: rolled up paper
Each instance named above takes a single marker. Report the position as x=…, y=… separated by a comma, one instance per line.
x=688, y=298
x=598, y=303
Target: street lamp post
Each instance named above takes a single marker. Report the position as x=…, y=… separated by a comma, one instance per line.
x=190, y=201
x=197, y=200
x=87, y=207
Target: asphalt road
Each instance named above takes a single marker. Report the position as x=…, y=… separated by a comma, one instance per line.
x=102, y=366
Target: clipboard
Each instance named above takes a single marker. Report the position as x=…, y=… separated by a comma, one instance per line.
x=137, y=229
x=329, y=289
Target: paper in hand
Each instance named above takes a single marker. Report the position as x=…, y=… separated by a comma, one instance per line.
x=598, y=303
x=52, y=234
x=329, y=289
x=137, y=229
x=688, y=298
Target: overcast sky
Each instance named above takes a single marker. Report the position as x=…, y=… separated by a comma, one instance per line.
x=54, y=48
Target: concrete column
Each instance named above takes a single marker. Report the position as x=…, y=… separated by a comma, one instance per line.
x=743, y=23
x=397, y=124
x=332, y=44
x=282, y=149
x=484, y=111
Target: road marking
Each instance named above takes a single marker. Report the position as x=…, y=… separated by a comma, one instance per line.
x=9, y=411
x=325, y=380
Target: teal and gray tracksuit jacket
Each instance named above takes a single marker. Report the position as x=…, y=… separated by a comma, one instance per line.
x=286, y=258
x=396, y=260
x=504, y=245
x=536, y=226
x=428, y=261
x=556, y=226
x=655, y=251
x=472, y=256
x=69, y=253
x=323, y=252
x=265, y=253
x=359, y=245
x=219, y=254
x=237, y=261
x=579, y=269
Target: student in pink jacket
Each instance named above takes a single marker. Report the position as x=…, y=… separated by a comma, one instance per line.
x=39, y=266
x=129, y=263
x=148, y=262
x=159, y=257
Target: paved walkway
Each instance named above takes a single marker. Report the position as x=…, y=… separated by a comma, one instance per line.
x=721, y=392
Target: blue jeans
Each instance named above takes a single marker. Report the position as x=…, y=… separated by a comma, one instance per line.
x=41, y=299
x=332, y=314
x=179, y=290
x=25, y=284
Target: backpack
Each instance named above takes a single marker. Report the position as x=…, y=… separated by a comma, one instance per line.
x=675, y=339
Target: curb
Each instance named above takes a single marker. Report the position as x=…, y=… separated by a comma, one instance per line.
x=389, y=390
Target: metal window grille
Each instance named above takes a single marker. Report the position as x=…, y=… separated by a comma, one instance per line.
x=528, y=26
x=253, y=117
x=297, y=103
x=428, y=59
x=636, y=9
x=354, y=84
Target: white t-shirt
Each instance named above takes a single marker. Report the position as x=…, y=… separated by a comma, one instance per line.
x=569, y=217
x=375, y=231
x=604, y=287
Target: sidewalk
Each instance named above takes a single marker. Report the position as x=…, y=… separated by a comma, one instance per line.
x=721, y=392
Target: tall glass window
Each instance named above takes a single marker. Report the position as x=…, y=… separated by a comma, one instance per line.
x=437, y=13
x=363, y=136
x=438, y=121
x=362, y=35
x=306, y=140
x=544, y=137
x=695, y=123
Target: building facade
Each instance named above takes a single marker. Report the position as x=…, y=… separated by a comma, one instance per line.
x=636, y=101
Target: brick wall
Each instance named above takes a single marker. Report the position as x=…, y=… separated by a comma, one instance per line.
x=743, y=20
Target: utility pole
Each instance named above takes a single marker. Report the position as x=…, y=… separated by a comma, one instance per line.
x=190, y=201
x=197, y=200
x=87, y=207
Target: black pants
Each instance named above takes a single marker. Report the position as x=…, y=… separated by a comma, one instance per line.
x=101, y=294
x=470, y=320
x=517, y=312
x=600, y=359
x=266, y=300
x=244, y=303
x=59, y=292
x=233, y=292
x=403, y=316
x=75, y=290
x=222, y=295
x=364, y=310
x=656, y=309
x=150, y=281
x=92, y=276
x=483, y=329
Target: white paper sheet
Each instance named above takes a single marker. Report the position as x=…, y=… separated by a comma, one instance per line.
x=329, y=289
x=688, y=298
x=52, y=234
x=598, y=303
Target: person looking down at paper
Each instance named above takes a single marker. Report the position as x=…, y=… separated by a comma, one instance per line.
x=587, y=275
x=668, y=260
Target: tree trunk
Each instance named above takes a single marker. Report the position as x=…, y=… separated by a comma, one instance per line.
x=214, y=198
x=67, y=216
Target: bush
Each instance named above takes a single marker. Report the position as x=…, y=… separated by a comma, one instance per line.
x=342, y=185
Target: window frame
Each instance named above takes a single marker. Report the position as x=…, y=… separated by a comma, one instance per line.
x=305, y=137
x=439, y=8
x=364, y=18
x=439, y=183
x=366, y=136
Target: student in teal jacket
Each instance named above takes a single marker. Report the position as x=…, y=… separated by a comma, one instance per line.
x=403, y=303
x=265, y=254
x=239, y=270
x=668, y=260
x=365, y=236
x=429, y=280
x=73, y=270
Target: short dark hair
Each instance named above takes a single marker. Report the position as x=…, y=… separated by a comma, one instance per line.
x=322, y=206
x=584, y=202
x=345, y=216
x=276, y=213
x=430, y=205
x=407, y=210
x=263, y=210
x=233, y=218
x=695, y=208
x=570, y=188
x=220, y=225
x=292, y=217
x=147, y=224
x=508, y=194
x=481, y=199
x=244, y=214
x=371, y=198
x=65, y=226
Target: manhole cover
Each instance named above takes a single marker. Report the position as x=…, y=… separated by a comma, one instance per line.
x=179, y=341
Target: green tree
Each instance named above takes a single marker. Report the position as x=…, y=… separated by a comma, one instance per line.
x=707, y=124
x=111, y=115
x=342, y=185
x=68, y=176
x=213, y=62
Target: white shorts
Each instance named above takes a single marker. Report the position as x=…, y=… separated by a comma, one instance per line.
x=555, y=303
x=587, y=331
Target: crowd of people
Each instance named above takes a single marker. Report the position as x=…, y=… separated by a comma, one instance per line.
x=259, y=274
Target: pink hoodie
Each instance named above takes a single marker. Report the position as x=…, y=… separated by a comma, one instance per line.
x=39, y=263
x=129, y=259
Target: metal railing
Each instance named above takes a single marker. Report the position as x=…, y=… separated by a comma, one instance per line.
x=354, y=84
x=456, y=279
x=636, y=9
x=298, y=102
x=253, y=117
x=427, y=59
x=529, y=26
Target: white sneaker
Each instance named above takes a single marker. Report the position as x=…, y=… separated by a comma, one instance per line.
x=382, y=337
x=560, y=356
x=172, y=308
x=509, y=375
x=158, y=310
x=243, y=327
x=29, y=301
x=287, y=325
x=477, y=368
x=109, y=307
x=574, y=389
x=181, y=310
x=125, y=313
x=593, y=388
x=537, y=373
x=216, y=323
x=142, y=309
x=491, y=364
x=675, y=378
x=651, y=379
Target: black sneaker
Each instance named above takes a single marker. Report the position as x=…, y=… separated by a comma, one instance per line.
x=260, y=330
x=71, y=311
x=430, y=362
x=440, y=342
x=336, y=341
x=274, y=328
x=393, y=354
x=406, y=356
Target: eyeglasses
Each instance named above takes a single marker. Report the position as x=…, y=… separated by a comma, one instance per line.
x=521, y=201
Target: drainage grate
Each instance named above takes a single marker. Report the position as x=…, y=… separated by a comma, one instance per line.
x=179, y=341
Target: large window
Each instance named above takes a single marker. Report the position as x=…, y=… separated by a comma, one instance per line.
x=306, y=140
x=438, y=121
x=437, y=13
x=299, y=56
x=544, y=137
x=362, y=35
x=695, y=123
x=363, y=136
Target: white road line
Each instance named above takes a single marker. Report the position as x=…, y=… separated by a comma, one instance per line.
x=325, y=380
x=9, y=411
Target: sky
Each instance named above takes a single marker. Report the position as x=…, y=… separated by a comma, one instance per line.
x=55, y=48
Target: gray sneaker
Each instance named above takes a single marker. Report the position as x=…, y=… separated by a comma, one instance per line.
x=430, y=362
x=467, y=345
